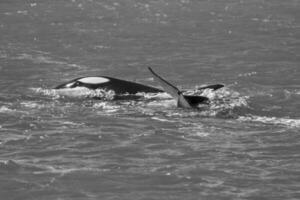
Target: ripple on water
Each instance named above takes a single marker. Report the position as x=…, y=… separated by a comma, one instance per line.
x=293, y=123
x=45, y=58
x=160, y=107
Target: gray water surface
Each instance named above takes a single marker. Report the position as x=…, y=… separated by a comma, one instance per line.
x=245, y=145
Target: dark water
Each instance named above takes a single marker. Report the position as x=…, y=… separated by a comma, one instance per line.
x=245, y=145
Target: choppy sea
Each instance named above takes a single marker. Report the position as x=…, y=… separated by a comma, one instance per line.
x=244, y=145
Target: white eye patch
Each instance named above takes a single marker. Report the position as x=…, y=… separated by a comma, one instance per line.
x=93, y=80
x=69, y=85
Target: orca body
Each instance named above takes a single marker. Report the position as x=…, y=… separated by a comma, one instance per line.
x=129, y=90
x=184, y=101
x=118, y=86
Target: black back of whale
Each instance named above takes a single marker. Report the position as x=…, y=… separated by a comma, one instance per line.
x=117, y=85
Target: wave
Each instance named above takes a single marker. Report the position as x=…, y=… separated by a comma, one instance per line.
x=32, y=105
x=294, y=123
x=43, y=57
x=13, y=165
x=7, y=110
x=222, y=102
x=106, y=107
x=4, y=109
x=9, y=165
x=194, y=129
x=67, y=170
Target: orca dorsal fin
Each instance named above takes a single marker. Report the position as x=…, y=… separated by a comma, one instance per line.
x=172, y=90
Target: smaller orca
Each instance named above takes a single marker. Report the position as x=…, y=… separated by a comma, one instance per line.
x=118, y=86
x=184, y=101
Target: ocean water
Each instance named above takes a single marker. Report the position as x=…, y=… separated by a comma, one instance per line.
x=244, y=145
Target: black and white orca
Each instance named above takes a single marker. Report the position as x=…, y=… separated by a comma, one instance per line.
x=130, y=89
x=108, y=83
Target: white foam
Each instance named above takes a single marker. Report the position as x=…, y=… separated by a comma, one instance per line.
x=106, y=107
x=30, y=104
x=77, y=92
x=93, y=80
x=4, y=109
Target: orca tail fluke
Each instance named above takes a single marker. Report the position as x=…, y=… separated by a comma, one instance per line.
x=172, y=90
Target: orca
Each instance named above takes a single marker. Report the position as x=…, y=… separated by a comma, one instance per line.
x=124, y=90
x=184, y=101
x=118, y=86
